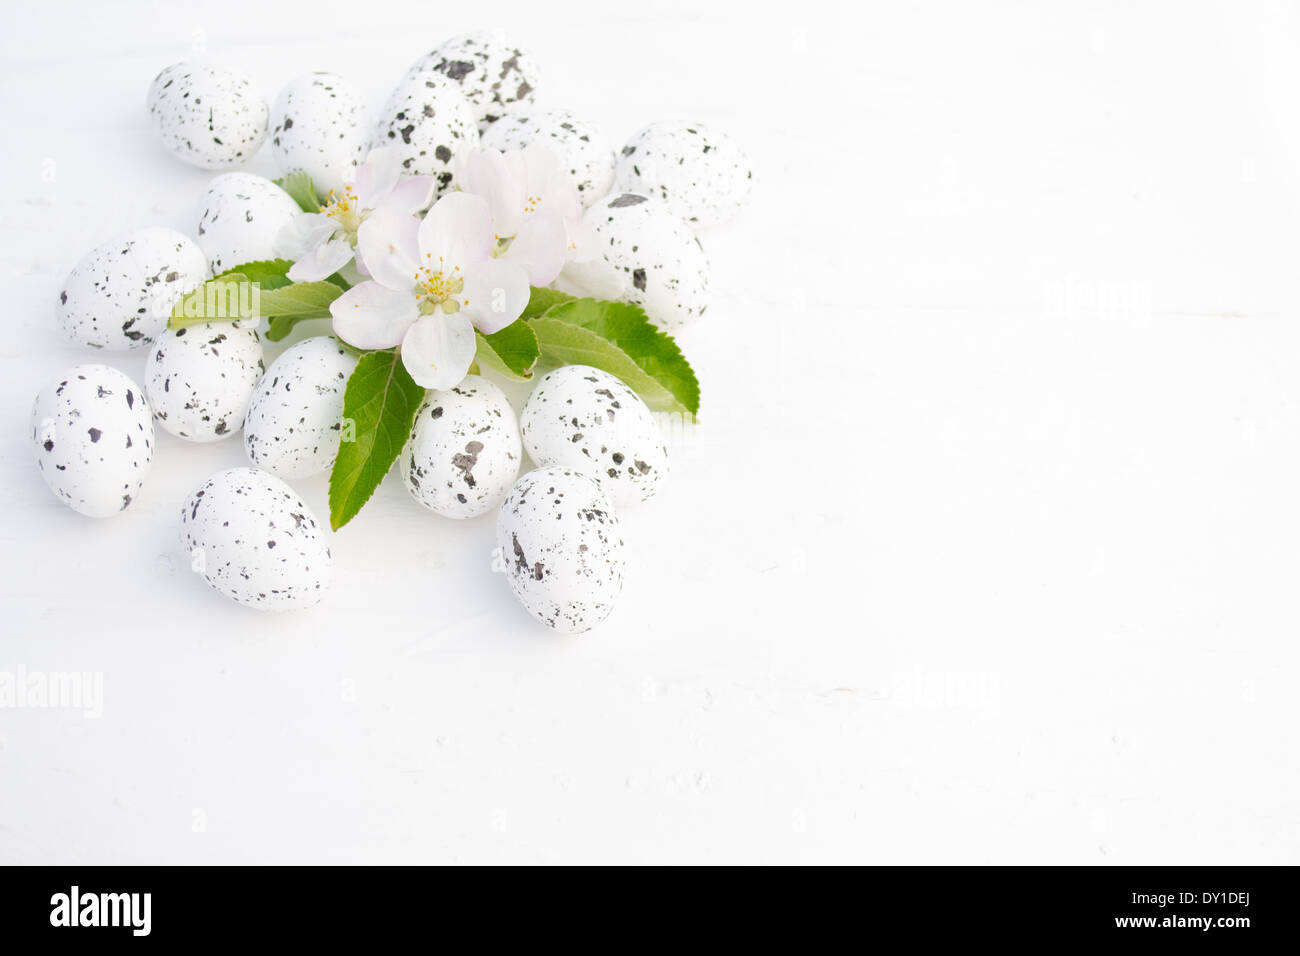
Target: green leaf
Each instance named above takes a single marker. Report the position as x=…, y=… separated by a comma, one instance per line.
x=513, y=351
x=301, y=190
x=267, y=273
x=226, y=298
x=621, y=340
x=287, y=306
x=540, y=300
x=379, y=406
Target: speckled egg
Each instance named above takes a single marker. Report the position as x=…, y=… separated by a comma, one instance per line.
x=581, y=418
x=200, y=379
x=492, y=72
x=464, y=451
x=429, y=122
x=293, y=423
x=253, y=539
x=120, y=295
x=93, y=437
x=699, y=174
x=584, y=152
x=563, y=552
x=239, y=220
x=664, y=264
x=211, y=117
x=319, y=127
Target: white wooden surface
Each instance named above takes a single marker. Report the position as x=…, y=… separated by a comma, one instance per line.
x=985, y=550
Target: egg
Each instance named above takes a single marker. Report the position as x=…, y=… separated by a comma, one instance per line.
x=200, y=379
x=255, y=541
x=699, y=174
x=120, y=295
x=560, y=542
x=294, y=417
x=666, y=270
x=240, y=218
x=492, y=72
x=210, y=117
x=588, y=421
x=464, y=451
x=584, y=152
x=93, y=437
x=429, y=122
x=319, y=127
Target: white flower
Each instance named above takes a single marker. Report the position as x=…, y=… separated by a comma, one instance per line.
x=433, y=283
x=322, y=243
x=536, y=212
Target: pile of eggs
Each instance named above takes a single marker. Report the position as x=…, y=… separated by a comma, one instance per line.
x=595, y=445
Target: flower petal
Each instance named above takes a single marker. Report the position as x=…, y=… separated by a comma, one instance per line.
x=325, y=260
x=495, y=293
x=439, y=349
x=595, y=278
x=388, y=245
x=370, y=316
x=411, y=194
x=375, y=178
x=303, y=233
x=456, y=232
x=540, y=248
x=497, y=177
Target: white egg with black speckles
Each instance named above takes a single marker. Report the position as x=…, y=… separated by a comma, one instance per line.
x=93, y=438
x=700, y=174
x=663, y=262
x=200, y=379
x=319, y=127
x=584, y=152
x=562, y=548
x=492, y=72
x=211, y=117
x=464, y=451
x=239, y=220
x=254, y=540
x=120, y=295
x=294, y=417
x=587, y=420
x=430, y=123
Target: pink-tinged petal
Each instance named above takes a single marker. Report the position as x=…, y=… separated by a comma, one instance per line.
x=595, y=278
x=548, y=184
x=456, y=232
x=375, y=178
x=439, y=349
x=303, y=233
x=325, y=260
x=540, y=248
x=370, y=316
x=388, y=245
x=489, y=173
x=583, y=244
x=495, y=293
x=411, y=195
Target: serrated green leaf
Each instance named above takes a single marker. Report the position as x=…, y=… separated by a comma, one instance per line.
x=626, y=327
x=287, y=306
x=379, y=406
x=226, y=298
x=564, y=343
x=267, y=273
x=540, y=300
x=512, y=351
x=301, y=190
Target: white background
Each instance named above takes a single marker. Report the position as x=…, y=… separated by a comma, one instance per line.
x=985, y=549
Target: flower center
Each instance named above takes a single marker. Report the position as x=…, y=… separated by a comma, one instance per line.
x=436, y=288
x=343, y=208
